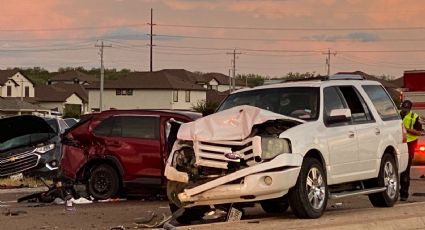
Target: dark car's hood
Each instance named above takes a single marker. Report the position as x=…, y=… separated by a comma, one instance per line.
x=21, y=126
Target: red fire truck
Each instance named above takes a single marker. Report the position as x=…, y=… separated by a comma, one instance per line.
x=414, y=90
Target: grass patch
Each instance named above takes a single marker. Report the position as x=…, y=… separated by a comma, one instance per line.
x=31, y=182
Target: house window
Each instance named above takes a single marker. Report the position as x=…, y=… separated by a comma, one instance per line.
x=27, y=91
x=187, y=95
x=123, y=92
x=175, y=95
x=215, y=87
x=9, y=91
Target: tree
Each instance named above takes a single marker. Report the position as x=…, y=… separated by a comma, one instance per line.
x=206, y=108
x=71, y=110
x=252, y=79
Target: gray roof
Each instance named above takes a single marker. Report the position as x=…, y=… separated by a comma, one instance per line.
x=15, y=104
x=164, y=79
x=59, y=92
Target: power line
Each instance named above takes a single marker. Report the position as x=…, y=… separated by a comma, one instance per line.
x=293, y=28
x=70, y=28
x=289, y=40
x=218, y=27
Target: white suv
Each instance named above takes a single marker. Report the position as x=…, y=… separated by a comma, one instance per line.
x=297, y=144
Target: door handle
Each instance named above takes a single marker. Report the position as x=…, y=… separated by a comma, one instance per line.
x=351, y=134
x=377, y=131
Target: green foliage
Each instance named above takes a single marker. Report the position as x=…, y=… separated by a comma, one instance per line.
x=299, y=76
x=252, y=79
x=73, y=111
x=37, y=75
x=206, y=108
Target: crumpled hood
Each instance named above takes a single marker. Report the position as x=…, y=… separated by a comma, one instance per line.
x=232, y=124
x=12, y=127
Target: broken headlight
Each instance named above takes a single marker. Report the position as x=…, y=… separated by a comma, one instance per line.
x=271, y=147
x=45, y=148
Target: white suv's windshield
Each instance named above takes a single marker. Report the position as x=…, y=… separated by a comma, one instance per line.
x=298, y=102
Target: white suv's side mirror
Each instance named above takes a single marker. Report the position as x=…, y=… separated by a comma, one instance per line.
x=339, y=115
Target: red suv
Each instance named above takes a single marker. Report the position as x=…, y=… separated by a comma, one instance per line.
x=121, y=152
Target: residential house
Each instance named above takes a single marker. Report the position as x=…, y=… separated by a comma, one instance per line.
x=163, y=89
x=215, y=81
x=60, y=96
x=72, y=77
x=13, y=107
x=13, y=83
x=220, y=82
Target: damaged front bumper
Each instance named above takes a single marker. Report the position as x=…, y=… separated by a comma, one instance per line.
x=267, y=180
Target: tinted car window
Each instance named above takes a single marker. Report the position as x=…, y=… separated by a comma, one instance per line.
x=359, y=111
x=298, y=102
x=382, y=102
x=332, y=100
x=145, y=127
x=105, y=127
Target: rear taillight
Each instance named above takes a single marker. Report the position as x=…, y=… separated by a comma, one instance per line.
x=421, y=148
x=404, y=138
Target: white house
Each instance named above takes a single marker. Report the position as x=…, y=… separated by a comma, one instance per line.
x=59, y=96
x=15, y=84
x=220, y=82
x=145, y=90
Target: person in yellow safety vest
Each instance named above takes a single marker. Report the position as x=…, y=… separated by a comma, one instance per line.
x=414, y=130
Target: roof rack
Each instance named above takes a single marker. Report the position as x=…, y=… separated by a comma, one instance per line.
x=346, y=77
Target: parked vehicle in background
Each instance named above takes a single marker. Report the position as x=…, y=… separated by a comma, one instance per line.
x=121, y=152
x=71, y=121
x=293, y=144
x=58, y=124
x=414, y=90
x=29, y=145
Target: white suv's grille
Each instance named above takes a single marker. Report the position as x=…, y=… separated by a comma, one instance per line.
x=213, y=154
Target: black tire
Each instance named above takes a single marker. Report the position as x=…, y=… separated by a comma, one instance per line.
x=190, y=214
x=278, y=205
x=104, y=182
x=388, y=177
x=301, y=205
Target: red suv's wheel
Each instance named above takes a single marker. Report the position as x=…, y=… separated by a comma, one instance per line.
x=103, y=182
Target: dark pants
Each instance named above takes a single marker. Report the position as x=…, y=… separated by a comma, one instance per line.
x=405, y=176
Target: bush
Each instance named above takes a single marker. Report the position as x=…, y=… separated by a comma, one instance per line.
x=206, y=108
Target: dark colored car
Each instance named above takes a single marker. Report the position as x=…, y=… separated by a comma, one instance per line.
x=121, y=152
x=28, y=145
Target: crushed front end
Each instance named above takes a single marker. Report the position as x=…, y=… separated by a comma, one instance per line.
x=232, y=156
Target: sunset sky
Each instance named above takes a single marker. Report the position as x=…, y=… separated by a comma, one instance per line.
x=274, y=37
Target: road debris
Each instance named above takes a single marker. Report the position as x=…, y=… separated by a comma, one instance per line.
x=9, y=212
x=163, y=223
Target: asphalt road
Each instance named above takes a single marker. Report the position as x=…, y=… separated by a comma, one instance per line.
x=130, y=214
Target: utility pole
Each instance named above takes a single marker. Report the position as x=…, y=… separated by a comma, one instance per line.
x=151, y=38
x=328, y=60
x=234, y=53
x=101, y=75
x=230, y=82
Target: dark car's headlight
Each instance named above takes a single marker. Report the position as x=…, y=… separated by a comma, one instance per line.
x=45, y=148
x=272, y=146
